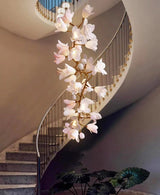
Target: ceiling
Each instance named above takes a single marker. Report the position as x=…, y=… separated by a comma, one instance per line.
x=19, y=17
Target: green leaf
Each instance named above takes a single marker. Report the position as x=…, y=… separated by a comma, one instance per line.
x=104, y=188
x=84, y=178
x=107, y=188
x=60, y=187
x=130, y=177
x=92, y=190
x=69, y=177
x=100, y=175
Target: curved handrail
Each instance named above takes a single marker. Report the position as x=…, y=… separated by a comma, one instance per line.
x=39, y=128
x=115, y=54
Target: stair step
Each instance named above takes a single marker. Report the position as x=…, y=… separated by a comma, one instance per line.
x=17, y=178
x=43, y=138
x=61, y=135
x=54, y=130
x=47, y=138
x=18, y=166
x=21, y=156
x=32, y=146
x=17, y=189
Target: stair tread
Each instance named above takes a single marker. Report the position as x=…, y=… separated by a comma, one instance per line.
x=22, y=152
x=34, y=143
x=17, y=162
x=6, y=186
x=2, y=173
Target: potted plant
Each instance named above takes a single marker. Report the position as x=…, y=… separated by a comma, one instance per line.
x=101, y=182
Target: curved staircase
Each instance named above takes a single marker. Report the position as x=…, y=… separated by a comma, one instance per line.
x=18, y=168
x=117, y=56
x=24, y=164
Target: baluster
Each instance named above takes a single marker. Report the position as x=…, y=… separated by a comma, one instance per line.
x=110, y=65
x=45, y=142
x=57, y=139
x=113, y=62
x=47, y=10
x=45, y=149
x=49, y=7
x=40, y=7
x=50, y=132
x=52, y=10
x=54, y=133
x=121, y=51
x=58, y=120
x=43, y=137
x=126, y=54
x=122, y=47
x=127, y=35
x=94, y=84
x=96, y=97
x=56, y=7
x=106, y=78
x=123, y=44
x=92, y=97
x=128, y=29
x=55, y=127
x=118, y=58
x=53, y=124
x=62, y=123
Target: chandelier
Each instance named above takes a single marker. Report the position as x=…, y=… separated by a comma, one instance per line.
x=48, y=10
x=78, y=72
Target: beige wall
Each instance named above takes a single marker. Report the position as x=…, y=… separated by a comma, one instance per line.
x=28, y=77
x=144, y=73
x=130, y=137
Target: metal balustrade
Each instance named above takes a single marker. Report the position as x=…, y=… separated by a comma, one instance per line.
x=49, y=133
x=47, y=9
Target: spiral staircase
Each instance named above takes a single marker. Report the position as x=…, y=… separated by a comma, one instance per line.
x=117, y=55
x=24, y=168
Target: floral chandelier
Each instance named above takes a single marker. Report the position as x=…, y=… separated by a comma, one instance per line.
x=78, y=75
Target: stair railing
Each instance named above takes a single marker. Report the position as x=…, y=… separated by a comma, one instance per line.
x=50, y=138
x=47, y=10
